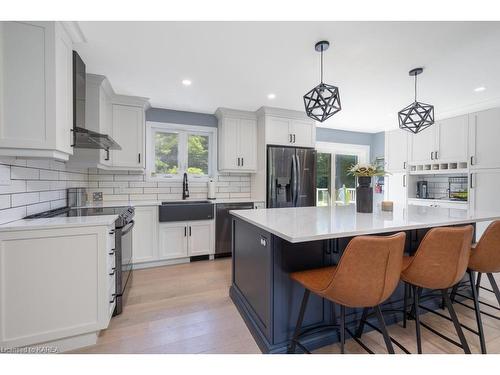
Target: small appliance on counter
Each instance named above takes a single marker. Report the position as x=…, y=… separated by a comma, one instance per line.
x=77, y=197
x=422, y=190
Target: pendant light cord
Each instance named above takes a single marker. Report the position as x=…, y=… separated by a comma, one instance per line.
x=321, y=80
x=415, y=87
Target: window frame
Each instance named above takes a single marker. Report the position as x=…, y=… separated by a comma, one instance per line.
x=183, y=132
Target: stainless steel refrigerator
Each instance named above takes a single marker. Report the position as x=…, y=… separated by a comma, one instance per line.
x=291, y=177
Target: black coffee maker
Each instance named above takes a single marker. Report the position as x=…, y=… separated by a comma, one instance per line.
x=422, y=191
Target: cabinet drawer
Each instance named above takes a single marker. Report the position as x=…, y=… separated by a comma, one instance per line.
x=111, y=240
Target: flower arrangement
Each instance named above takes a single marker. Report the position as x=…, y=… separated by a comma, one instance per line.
x=366, y=170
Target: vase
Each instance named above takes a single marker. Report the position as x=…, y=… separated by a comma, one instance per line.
x=364, y=195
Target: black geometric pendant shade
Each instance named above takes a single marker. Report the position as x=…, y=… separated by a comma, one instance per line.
x=417, y=116
x=323, y=101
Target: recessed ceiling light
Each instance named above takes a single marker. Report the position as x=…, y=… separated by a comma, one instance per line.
x=479, y=89
x=271, y=96
x=186, y=82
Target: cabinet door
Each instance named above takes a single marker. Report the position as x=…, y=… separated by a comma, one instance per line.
x=24, y=81
x=452, y=139
x=396, y=150
x=303, y=133
x=200, y=238
x=173, y=240
x=145, y=234
x=248, y=144
x=423, y=145
x=277, y=131
x=128, y=132
x=228, y=145
x=484, y=133
x=484, y=194
x=396, y=188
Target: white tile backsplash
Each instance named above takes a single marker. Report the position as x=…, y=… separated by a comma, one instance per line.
x=133, y=186
x=35, y=185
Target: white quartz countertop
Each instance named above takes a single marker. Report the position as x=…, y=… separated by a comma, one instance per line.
x=317, y=223
x=138, y=203
x=59, y=222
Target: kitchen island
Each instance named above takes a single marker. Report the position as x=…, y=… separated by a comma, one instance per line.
x=268, y=244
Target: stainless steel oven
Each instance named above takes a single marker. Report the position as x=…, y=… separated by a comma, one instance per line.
x=123, y=251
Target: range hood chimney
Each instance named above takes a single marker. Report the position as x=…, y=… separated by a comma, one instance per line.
x=82, y=137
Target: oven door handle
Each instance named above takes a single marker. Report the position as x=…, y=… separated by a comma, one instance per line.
x=127, y=228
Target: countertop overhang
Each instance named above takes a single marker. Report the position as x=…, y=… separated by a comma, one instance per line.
x=301, y=224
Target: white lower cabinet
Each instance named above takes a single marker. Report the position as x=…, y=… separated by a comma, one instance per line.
x=185, y=239
x=173, y=240
x=55, y=286
x=145, y=235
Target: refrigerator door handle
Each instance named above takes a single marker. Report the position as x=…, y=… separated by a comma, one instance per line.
x=295, y=172
x=293, y=178
x=297, y=180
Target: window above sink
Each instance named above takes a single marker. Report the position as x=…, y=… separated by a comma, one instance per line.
x=175, y=149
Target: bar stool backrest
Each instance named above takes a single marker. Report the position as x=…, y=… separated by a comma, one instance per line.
x=441, y=258
x=368, y=271
x=486, y=255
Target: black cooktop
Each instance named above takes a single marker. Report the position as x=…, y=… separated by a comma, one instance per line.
x=71, y=212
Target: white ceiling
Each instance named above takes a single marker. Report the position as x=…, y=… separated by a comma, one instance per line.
x=237, y=64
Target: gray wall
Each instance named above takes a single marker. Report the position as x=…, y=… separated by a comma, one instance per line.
x=181, y=117
x=375, y=141
x=378, y=145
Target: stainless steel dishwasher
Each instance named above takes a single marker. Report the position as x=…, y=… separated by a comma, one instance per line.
x=223, y=226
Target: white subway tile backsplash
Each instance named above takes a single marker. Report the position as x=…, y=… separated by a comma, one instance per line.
x=24, y=199
x=21, y=173
x=4, y=201
x=129, y=177
x=11, y=214
x=35, y=185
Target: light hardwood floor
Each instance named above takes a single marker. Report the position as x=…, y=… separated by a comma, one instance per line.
x=186, y=309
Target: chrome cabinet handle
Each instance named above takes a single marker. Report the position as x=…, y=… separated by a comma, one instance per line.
x=432, y=155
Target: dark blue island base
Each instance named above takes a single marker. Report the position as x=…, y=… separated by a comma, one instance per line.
x=269, y=301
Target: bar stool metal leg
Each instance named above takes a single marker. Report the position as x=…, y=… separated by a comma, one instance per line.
x=494, y=286
x=416, y=313
x=405, y=305
x=456, y=323
x=342, y=329
x=477, y=311
x=383, y=328
x=300, y=319
x=362, y=322
x=478, y=283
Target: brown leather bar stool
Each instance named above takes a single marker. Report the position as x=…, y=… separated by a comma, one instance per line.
x=439, y=263
x=485, y=258
x=367, y=274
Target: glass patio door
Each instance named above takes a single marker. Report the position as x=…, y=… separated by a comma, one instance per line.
x=333, y=183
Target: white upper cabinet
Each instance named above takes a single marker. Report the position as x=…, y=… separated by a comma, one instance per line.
x=237, y=140
x=284, y=127
x=445, y=141
x=128, y=129
x=452, y=139
x=36, y=87
x=484, y=133
x=396, y=150
x=423, y=145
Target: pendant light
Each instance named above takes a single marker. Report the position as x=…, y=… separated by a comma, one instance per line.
x=323, y=101
x=417, y=116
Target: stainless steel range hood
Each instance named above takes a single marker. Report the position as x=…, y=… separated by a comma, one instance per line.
x=82, y=137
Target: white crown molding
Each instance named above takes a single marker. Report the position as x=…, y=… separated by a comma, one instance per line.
x=74, y=31
x=282, y=112
x=471, y=108
x=222, y=112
